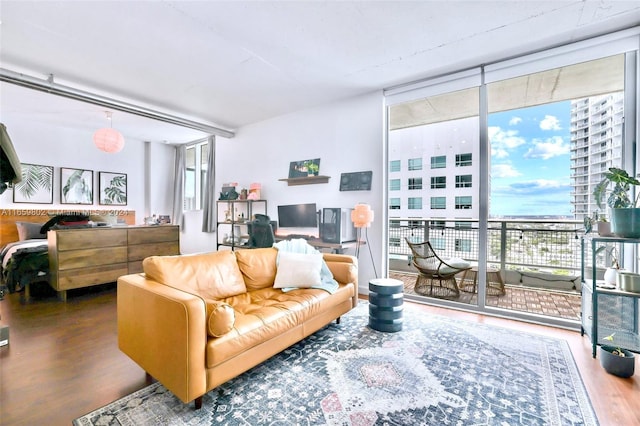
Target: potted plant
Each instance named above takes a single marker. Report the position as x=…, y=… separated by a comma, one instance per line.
x=598, y=222
x=625, y=215
x=615, y=360
x=312, y=168
x=611, y=273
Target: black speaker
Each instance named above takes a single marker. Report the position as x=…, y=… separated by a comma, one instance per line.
x=357, y=181
x=336, y=226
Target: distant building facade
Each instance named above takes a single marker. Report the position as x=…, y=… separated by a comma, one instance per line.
x=596, y=145
x=433, y=171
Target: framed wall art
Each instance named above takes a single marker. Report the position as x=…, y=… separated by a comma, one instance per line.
x=36, y=185
x=76, y=186
x=113, y=188
x=304, y=168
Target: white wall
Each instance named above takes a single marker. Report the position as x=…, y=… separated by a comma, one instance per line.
x=39, y=143
x=347, y=136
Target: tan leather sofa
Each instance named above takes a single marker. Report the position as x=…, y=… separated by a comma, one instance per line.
x=194, y=322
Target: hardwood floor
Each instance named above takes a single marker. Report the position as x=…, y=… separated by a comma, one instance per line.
x=63, y=361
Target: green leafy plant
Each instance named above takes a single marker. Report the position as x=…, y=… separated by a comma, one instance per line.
x=312, y=168
x=617, y=349
x=114, y=193
x=619, y=196
x=34, y=178
x=613, y=253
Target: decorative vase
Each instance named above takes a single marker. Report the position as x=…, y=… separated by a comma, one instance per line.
x=611, y=276
x=604, y=229
x=621, y=366
x=625, y=223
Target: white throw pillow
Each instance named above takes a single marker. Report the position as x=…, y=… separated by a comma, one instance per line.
x=298, y=270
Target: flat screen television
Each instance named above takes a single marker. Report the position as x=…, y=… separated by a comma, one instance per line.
x=298, y=216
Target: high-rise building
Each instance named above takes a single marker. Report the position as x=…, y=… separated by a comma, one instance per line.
x=596, y=145
x=433, y=171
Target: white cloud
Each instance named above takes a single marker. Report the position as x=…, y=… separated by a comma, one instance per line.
x=549, y=122
x=515, y=121
x=502, y=141
x=504, y=171
x=549, y=148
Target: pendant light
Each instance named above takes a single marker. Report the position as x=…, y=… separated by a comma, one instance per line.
x=108, y=139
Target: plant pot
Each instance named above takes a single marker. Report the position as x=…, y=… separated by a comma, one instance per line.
x=628, y=281
x=611, y=276
x=625, y=223
x=604, y=229
x=615, y=364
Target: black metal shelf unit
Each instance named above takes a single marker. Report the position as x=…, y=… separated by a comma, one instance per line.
x=607, y=311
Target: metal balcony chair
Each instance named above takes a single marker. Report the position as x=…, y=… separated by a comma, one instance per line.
x=436, y=276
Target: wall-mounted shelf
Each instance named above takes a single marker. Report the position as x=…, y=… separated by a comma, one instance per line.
x=306, y=180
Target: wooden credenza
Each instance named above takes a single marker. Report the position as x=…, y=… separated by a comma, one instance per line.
x=91, y=256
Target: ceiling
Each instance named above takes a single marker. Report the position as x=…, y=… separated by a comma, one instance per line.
x=233, y=63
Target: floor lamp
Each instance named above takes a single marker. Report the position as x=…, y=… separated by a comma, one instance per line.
x=362, y=216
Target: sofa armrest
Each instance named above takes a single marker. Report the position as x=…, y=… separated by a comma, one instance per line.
x=344, y=268
x=163, y=329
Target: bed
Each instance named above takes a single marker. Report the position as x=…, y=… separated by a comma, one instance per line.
x=24, y=249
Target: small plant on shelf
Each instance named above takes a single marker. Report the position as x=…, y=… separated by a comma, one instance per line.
x=312, y=168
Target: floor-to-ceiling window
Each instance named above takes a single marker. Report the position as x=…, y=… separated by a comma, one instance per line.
x=510, y=153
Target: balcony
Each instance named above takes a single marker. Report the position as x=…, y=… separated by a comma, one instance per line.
x=539, y=260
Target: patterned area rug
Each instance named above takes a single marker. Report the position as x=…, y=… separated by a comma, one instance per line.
x=436, y=371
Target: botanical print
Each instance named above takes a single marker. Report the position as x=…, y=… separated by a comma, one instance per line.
x=304, y=168
x=77, y=186
x=113, y=188
x=36, y=185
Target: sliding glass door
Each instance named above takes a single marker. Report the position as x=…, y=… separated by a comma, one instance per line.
x=496, y=167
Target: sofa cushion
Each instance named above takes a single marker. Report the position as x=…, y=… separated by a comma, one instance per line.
x=298, y=270
x=264, y=314
x=220, y=318
x=210, y=275
x=258, y=267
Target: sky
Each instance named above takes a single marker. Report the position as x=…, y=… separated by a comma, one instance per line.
x=530, y=161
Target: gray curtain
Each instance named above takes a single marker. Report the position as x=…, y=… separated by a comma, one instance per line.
x=209, y=203
x=178, y=186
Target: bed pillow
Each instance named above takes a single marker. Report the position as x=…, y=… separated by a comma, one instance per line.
x=298, y=270
x=29, y=231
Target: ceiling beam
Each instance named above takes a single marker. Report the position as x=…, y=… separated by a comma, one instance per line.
x=49, y=86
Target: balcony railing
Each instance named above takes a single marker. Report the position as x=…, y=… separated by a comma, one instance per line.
x=538, y=253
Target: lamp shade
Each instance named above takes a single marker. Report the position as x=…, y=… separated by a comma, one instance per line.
x=362, y=216
x=108, y=140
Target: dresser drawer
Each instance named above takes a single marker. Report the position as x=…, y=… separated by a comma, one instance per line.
x=140, y=251
x=75, y=259
x=89, y=276
x=82, y=239
x=153, y=234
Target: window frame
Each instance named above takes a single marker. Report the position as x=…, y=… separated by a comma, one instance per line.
x=435, y=164
x=414, y=164
x=199, y=175
x=435, y=184
x=414, y=203
x=437, y=202
x=464, y=184
x=462, y=161
x=413, y=184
